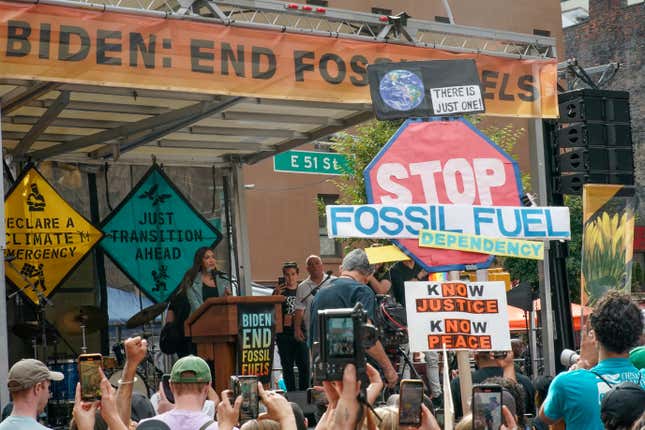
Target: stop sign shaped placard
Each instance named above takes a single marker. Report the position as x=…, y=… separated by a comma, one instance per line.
x=442, y=162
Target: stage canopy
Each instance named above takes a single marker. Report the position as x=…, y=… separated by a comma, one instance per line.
x=202, y=83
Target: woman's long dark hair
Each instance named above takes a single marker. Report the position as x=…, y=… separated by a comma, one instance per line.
x=191, y=273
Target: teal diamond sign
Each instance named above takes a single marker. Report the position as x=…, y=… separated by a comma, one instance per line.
x=153, y=235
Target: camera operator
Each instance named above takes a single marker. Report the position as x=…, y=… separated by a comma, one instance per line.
x=347, y=290
x=409, y=270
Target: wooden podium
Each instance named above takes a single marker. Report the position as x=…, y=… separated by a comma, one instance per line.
x=214, y=329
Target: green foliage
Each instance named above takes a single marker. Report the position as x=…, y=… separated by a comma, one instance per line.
x=360, y=149
x=575, y=245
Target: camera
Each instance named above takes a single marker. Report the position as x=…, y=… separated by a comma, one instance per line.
x=344, y=337
x=568, y=357
x=391, y=321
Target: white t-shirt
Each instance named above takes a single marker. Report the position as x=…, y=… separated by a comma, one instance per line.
x=208, y=409
x=304, y=299
x=184, y=420
x=13, y=422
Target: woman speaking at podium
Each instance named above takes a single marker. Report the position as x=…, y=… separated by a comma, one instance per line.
x=200, y=282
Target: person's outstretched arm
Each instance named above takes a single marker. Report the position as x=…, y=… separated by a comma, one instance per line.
x=135, y=352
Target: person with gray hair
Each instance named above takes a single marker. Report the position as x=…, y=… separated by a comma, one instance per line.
x=344, y=292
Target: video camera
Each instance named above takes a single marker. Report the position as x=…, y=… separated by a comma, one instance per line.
x=391, y=320
x=344, y=337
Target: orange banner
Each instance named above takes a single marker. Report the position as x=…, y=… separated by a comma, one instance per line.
x=67, y=44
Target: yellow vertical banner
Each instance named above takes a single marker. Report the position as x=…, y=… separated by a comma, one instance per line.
x=607, y=240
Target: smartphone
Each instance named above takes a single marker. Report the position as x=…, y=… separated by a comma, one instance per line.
x=165, y=384
x=88, y=370
x=487, y=406
x=247, y=387
x=314, y=396
x=410, y=400
x=281, y=280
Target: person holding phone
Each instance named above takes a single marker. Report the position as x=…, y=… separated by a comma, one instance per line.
x=200, y=282
x=190, y=380
x=86, y=413
x=575, y=396
x=291, y=349
x=28, y=382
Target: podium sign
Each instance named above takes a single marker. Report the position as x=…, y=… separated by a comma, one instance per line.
x=255, y=339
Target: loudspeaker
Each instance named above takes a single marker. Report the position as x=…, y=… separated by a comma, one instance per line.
x=594, y=134
x=594, y=105
x=593, y=140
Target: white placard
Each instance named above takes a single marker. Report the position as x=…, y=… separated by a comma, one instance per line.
x=405, y=221
x=455, y=100
x=461, y=315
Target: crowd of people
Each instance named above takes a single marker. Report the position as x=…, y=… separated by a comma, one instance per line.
x=604, y=389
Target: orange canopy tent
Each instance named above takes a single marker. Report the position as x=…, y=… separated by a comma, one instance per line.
x=517, y=321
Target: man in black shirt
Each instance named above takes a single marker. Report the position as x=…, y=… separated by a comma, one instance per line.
x=489, y=367
x=402, y=271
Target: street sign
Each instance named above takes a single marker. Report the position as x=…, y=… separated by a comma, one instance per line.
x=46, y=237
x=153, y=235
x=320, y=163
x=442, y=162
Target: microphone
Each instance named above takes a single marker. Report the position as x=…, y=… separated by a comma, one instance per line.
x=215, y=272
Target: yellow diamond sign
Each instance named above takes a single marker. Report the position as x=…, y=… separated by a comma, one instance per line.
x=46, y=237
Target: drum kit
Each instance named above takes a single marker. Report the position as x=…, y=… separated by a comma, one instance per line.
x=83, y=321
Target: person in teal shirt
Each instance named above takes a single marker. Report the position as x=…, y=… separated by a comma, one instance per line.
x=575, y=396
x=28, y=381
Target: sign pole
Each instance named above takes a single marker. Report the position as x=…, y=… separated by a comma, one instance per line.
x=4, y=347
x=539, y=179
x=463, y=364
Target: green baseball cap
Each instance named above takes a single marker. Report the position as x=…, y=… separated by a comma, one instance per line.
x=637, y=357
x=201, y=373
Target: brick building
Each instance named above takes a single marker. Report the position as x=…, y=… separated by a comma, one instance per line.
x=614, y=31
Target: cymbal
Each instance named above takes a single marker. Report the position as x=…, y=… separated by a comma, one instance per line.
x=145, y=315
x=32, y=329
x=92, y=317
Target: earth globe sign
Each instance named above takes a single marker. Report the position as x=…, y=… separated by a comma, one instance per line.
x=401, y=90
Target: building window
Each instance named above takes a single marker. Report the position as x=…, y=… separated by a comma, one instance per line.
x=381, y=11
x=539, y=32
x=443, y=19
x=328, y=247
x=324, y=3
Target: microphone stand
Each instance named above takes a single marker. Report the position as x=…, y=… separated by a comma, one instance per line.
x=229, y=278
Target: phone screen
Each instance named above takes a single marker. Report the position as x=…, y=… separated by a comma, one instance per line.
x=340, y=337
x=410, y=399
x=487, y=407
x=247, y=387
x=165, y=383
x=88, y=369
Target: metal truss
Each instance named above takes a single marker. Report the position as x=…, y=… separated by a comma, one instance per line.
x=337, y=23
x=577, y=77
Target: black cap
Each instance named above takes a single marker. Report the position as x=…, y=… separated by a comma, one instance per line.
x=622, y=405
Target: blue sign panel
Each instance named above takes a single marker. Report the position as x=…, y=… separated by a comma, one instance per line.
x=153, y=235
